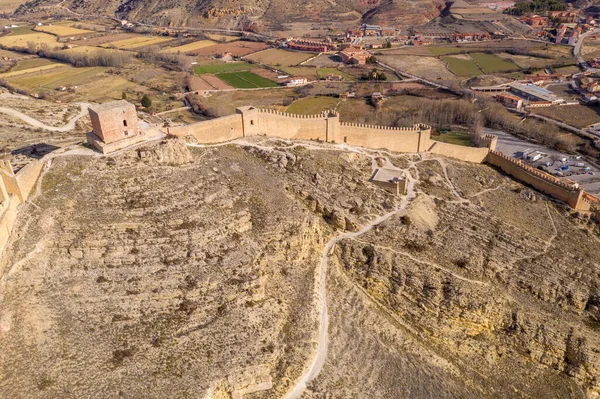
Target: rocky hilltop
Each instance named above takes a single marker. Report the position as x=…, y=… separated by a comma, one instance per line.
x=259, y=14
x=179, y=270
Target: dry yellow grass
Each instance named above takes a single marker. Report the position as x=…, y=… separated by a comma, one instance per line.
x=90, y=50
x=30, y=70
x=8, y=6
x=22, y=40
x=137, y=42
x=60, y=30
x=189, y=47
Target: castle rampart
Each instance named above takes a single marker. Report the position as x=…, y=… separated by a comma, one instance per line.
x=544, y=182
x=14, y=190
x=326, y=126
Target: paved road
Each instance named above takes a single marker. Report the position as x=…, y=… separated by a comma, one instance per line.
x=578, y=45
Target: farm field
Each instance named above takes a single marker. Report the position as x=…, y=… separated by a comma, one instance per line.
x=462, y=65
x=312, y=105
x=100, y=40
x=324, y=72
x=12, y=54
x=245, y=80
x=56, y=77
x=444, y=50
x=35, y=62
x=278, y=57
x=188, y=47
x=61, y=30
x=137, y=42
x=491, y=63
x=305, y=72
x=223, y=67
x=32, y=70
x=92, y=50
x=579, y=116
x=237, y=48
x=222, y=38
x=425, y=67
x=208, y=82
x=39, y=38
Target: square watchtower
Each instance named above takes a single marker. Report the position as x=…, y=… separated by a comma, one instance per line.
x=114, y=121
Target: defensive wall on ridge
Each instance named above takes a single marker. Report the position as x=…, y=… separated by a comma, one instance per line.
x=14, y=190
x=573, y=195
x=326, y=126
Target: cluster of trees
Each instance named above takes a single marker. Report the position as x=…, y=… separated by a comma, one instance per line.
x=537, y=6
x=472, y=115
x=97, y=58
x=373, y=75
x=179, y=61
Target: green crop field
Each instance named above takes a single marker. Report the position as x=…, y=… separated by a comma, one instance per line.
x=222, y=68
x=490, y=63
x=312, y=105
x=444, y=50
x=245, y=80
x=462, y=66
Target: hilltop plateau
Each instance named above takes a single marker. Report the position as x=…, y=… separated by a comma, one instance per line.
x=177, y=269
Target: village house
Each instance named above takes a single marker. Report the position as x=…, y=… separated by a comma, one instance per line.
x=509, y=100
x=536, y=21
x=296, y=82
x=334, y=78
x=309, y=45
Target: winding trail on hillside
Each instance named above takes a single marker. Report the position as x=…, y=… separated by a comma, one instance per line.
x=40, y=125
x=323, y=335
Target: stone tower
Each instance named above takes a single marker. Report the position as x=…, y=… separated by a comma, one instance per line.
x=114, y=121
x=114, y=126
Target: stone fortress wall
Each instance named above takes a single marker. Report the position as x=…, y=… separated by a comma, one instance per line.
x=572, y=194
x=14, y=190
x=326, y=126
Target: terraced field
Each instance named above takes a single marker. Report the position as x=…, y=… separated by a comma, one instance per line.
x=491, y=63
x=61, y=30
x=14, y=40
x=278, y=57
x=188, y=47
x=55, y=77
x=222, y=68
x=246, y=80
x=462, y=65
x=137, y=42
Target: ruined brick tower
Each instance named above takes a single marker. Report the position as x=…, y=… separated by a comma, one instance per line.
x=115, y=125
x=114, y=121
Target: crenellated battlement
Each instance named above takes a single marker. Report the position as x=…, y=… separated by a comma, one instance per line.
x=415, y=128
x=322, y=115
x=536, y=172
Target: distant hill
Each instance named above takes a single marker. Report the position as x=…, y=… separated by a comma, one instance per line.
x=256, y=13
